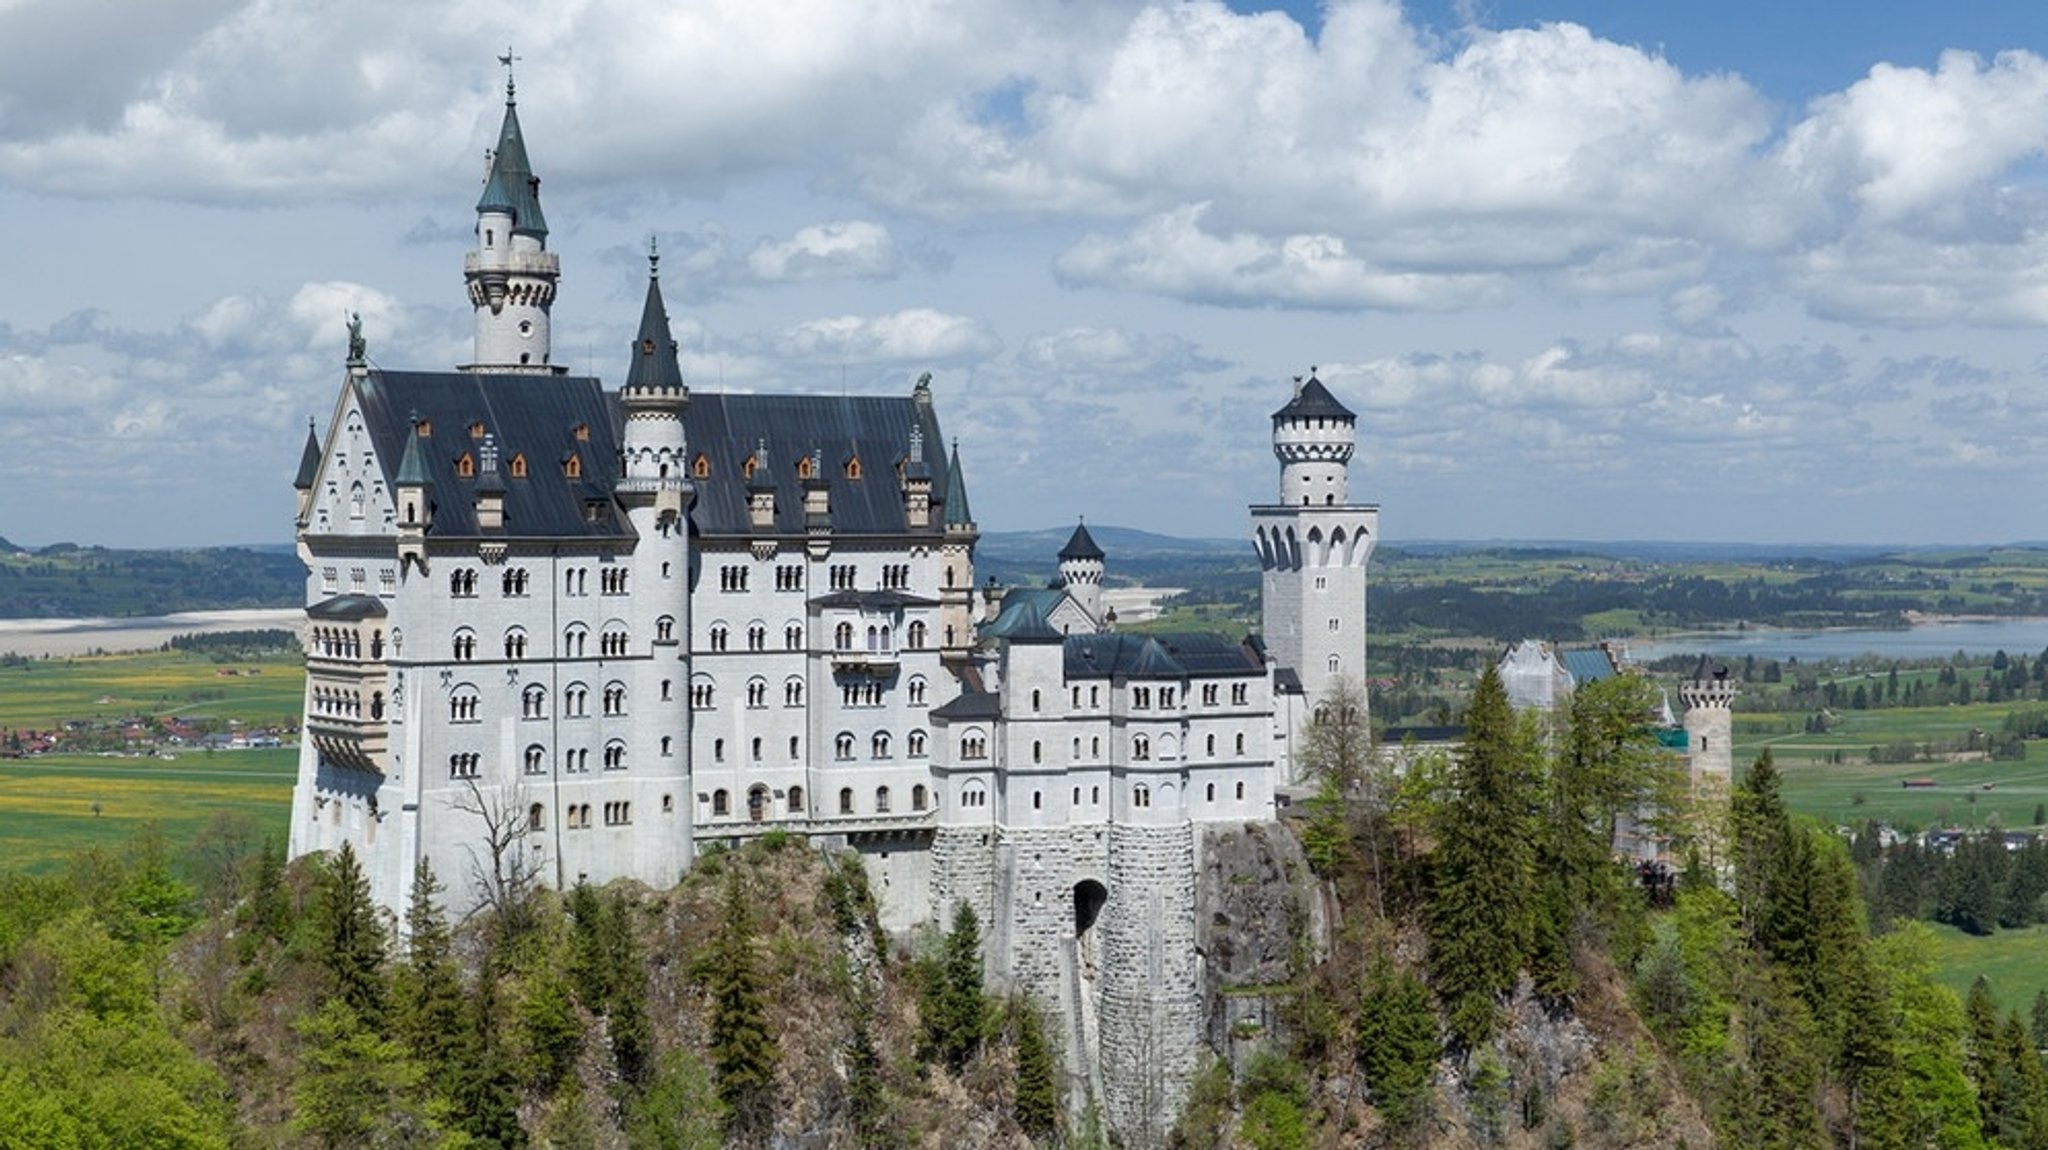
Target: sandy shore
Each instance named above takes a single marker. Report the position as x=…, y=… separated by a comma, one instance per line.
x=57, y=638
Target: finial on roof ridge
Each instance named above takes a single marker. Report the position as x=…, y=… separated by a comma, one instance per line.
x=511, y=90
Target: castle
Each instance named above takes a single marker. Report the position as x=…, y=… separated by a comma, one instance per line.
x=560, y=633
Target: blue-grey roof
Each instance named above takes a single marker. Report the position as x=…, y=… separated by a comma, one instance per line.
x=1587, y=665
x=957, y=513
x=309, y=461
x=873, y=600
x=348, y=607
x=535, y=416
x=1081, y=545
x=1314, y=401
x=412, y=470
x=512, y=187
x=654, y=349
x=1026, y=615
x=1171, y=655
x=970, y=704
x=726, y=429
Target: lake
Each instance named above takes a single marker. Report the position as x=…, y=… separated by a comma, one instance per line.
x=1925, y=641
x=57, y=638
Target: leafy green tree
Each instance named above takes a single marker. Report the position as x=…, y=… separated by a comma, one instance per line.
x=1479, y=916
x=1924, y=1097
x=679, y=1110
x=1275, y=1095
x=1037, y=1105
x=350, y=940
x=1397, y=1041
x=743, y=1052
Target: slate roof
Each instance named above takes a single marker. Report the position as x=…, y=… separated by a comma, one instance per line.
x=1314, y=401
x=1081, y=545
x=309, y=461
x=873, y=600
x=654, y=349
x=348, y=607
x=530, y=415
x=727, y=428
x=1169, y=655
x=971, y=705
x=1708, y=670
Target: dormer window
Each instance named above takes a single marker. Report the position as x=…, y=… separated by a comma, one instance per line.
x=700, y=468
x=646, y=347
x=476, y=429
x=518, y=466
x=747, y=468
x=465, y=466
x=572, y=467
x=424, y=428
x=853, y=467
x=580, y=433
x=803, y=468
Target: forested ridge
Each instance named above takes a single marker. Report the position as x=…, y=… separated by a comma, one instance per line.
x=1487, y=973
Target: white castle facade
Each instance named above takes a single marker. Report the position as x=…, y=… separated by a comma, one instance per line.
x=597, y=628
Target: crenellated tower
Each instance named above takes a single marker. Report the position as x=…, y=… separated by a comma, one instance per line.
x=511, y=273
x=1709, y=698
x=1314, y=544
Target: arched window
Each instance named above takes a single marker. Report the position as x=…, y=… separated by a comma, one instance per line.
x=793, y=637
x=793, y=692
x=464, y=645
x=917, y=797
x=515, y=643
x=1141, y=748
x=615, y=756
x=880, y=745
x=1210, y=746
x=1240, y=792
x=842, y=637
x=846, y=800
x=1141, y=795
x=720, y=804
x=665, y=628
x=757, y=693
x=917, y=633
x=1240, y=743
x=757, y=802
x=881, y=800
x=575, y=701
x=1037, y=751
x=464, y=704
x=536, y=817
x=536, y=760
x=915, y=690
x=719, y=636
x=1209, y=792
x=355, y=501
x=796, y=800
x=573, y=640
x=757, y=636
x=615, y=698
x=913, y=744
x=843, y=745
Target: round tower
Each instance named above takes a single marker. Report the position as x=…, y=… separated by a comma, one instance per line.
x=511, y=274
x=1313, y=545
x=1081, y=568
x=654, y=397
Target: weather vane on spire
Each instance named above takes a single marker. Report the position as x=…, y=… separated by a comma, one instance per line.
x=653, y=256
x=508, y=59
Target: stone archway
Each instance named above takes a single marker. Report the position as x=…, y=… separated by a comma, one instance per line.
x=1089, y=898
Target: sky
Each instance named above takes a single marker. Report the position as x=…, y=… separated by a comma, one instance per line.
x=1742, y=270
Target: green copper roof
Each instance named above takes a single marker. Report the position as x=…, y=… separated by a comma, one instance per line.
x=654, y=350
x=956, y=492
x=512, y=187
x=309, y=461
x=412, y=471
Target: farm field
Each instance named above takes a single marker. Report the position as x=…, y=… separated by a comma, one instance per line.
x=53, y=806
x=1857, y=789
x=45, y=693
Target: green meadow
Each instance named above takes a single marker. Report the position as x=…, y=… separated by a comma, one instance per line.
x=54, y=805
x=2014, y=962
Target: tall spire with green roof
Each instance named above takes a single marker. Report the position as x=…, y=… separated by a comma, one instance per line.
x=512, y=276
x=957, y=514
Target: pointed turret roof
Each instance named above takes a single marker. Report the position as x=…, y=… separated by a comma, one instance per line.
x=654, y=349
x=412, y=469
x=1081, y=546
x=956, y=492
x=309, y=461
x=1313, y=401
x=512, y=188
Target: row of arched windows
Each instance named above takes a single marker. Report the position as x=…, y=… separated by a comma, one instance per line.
x=340, y=643
x=844, y=745
x=614, y=643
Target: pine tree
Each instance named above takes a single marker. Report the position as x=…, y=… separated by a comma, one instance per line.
x=626, y=1007
x=1037, y=1105
x=484, y=1097
x=351, y=940
x=355, y=1088
x=1397, y=1041
x=743, y=1052
x=427, y=998
x=1480, y=916
x=954, y=1007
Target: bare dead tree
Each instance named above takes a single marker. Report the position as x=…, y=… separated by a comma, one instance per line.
x=504, y=866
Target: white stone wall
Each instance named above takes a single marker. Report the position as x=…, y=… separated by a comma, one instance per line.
x=1150, y=1009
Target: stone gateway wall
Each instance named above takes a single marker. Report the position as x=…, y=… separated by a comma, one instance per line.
x=1151, y=1002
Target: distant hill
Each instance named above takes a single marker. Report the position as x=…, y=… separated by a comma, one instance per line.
x=7, y=548
x=65, y=580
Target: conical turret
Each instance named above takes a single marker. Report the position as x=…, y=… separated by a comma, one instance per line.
x=511, y=274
